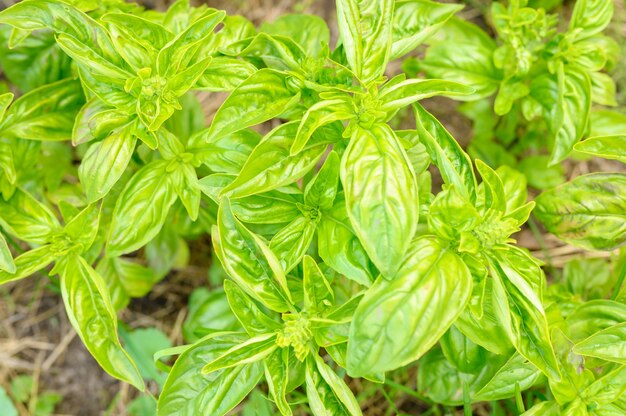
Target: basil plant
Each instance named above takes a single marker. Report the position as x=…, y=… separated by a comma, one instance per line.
x=353, y=239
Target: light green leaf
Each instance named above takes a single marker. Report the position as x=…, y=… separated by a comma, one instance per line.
x=248, y=261
x=225, y=74
x=276, y=374
x=328, y=394
x=340, y=248
x=28, y=219
x=322, y=190
x=407, y=92
x=608, y=147
x=44, y=114
x=250, y=351
x=6, y=259
x=526, y=322
x=271, y=166
x=141, y=209
x=608, y=344
x=517, y=370
x=312, y=33
x=261, y=97
x=106, y=161
x=590, y=17
x=36, y=61
x=589, y=211
x=91, y=313
x=318, y=295
x=28, y=263
x=253, y=319
x=384, y=213
x=188, y=392
x=414, y=21
x=393, y=324
x=365, y=28
x=454, y=164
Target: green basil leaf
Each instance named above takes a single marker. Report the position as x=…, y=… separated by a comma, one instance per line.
x=392, y=325
x=98, y=66
x=46, y=113
x=608, y=147
x=607, y=123
x=179, y=54
x=515, y=187
x=590, y=17
x=106, y=161
x=209, y=312
x=277, y=52
x=318, y=295
x=5, y=100
x=135, y=38
x=189, y=392
x=594, y=316
x=526, y=322
x=82, y=229
x=414, y=21
x=91, y=313
x=320, y=114
x=253, y=319
x=185, y=182
x=225, y=74
x=454, y=164
x=464, y=54
x=312, y=33
x=516, y=371
x=575, y=102
x=566, y=104
x=271, y=166
x=35, y=62
x=61, y=18
x=461, y=352
x=384, y=217
x=250, y=351
x=588, y=212
x=96, y=120
x=340, y=248
x=549, y=408
x=588, y=278
x=276, y=374
x=272, y=207
x=575, y=377
x=6, y=259
x=261, y=97
x=608, y=388
x=365, y=28
x=141, y=209
x=450, y=214
x=226, y=154
x=249, y=262
x=235, y=28
x=493, y=189
x=322, y=189
x=28, y=263
x=327, y=392
x=486, y=329
x=608, y=344
x=28, y=219
x=409, y=91
x=292, y=242
x=603, y=89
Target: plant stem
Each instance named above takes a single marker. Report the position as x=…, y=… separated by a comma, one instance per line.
x=519, y=401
